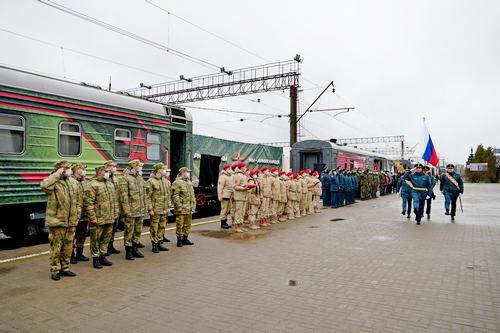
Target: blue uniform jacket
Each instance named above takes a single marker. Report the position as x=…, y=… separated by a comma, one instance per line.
x=433, y=184
x=341, y=181
x=403, y=187
x=419, y=180
x=334, y=182
x=325, y=181
x=445, y=185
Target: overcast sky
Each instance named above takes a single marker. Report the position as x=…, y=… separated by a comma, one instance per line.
x=394, y=61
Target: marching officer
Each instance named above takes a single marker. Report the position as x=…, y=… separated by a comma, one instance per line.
x=420, y=189
x=225, y=194
x=184, y=205
x=64, y=208
x=135, y=206
x=406, y=197
x=159, y=201
x=452, y=185
x=102, y=208
x=79, y=173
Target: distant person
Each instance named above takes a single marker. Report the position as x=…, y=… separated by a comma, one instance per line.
x=325, y=186
x=420, y=188
x=432, y=196
x=452, y=185
x=406, y=197
x=225, y=194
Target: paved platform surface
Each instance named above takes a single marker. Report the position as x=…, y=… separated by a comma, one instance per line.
x=373, y=271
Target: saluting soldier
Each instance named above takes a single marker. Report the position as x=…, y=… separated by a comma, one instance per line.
x=452, y=185
x=102, y=208
x=116, y=178
x=64, y=208
x=225, y=194
x=79, y=173
x=253, y=199
x=135, y=206
x=184, y=205
x=159, y=201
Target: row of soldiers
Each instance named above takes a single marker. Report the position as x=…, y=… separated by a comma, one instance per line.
x=341, y=187
x=265, y=196
x=74, y=202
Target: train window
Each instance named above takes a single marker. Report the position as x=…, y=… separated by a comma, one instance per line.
x=70, y=139
x=11, y=134
x=122, y=143
x=153, y=152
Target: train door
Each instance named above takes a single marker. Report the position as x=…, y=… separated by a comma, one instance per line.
x=177, y=151
x=309, y=160
x=209, y=170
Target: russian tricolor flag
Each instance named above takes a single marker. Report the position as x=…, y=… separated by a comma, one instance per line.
x=428, y=152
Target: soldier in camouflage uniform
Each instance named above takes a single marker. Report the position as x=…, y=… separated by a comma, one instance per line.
x=225, y=195
x=101, y=206
x=64, y=208
x=363, y=181
x=184, y=205
x=276, y=194
x=159, y=199
x=282, y=214
x=240, y=187
x=135, y=206
x=316, y=192
x=253, y=199
x=267, y=194
x=116, y=177
x=79, y=173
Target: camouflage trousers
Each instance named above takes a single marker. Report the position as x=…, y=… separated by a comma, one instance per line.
x=264, y=208
x=157, y=226
x=239, y=211
x=292, y=209
x=61, y=245
x=303, y=203
x=315, y=203
x=309, y=203
x=225, y=208
x=252, y=211
x=133, y=229
x=183, y=224
x=273, y=209
x=99, y=239
x=80, y=234
x=281, y=208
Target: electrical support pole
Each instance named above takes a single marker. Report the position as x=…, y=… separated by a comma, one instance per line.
x=293, y=115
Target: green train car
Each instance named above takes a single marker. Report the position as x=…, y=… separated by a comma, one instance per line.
x=44, y=120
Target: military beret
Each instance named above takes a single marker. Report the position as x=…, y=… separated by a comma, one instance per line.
x=254, y=172
x=184, y=169
x=136, y=162
x=301, y=172
x=158, y=166
x=227, y=166
x=308, y=171
x=78, y=166
x=282, y=173
x=274, y=169
x=99, y=169
x=315, y=173
x=61, y=164
x=110, y=163
x=450, y=166
x=264, y=169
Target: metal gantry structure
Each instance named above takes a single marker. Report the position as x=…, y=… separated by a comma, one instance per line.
x=250, y=80
x=372, y=139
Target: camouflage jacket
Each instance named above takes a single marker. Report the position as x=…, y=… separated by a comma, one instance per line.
x=254, y=193
x=117, y=180
x=183, y=196
x=84, y=182
x=224, y=186
x=284, y=184
x=240, y=192
x=266, y=185
x=100, y=201
x=303, y=185
x=293, y=190
x=159, y=194
x=275, y=187
x=133, y=195
x=64, y=201
x=316, y=186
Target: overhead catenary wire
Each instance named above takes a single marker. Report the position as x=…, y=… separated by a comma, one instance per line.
x=129, y=34
x=86, y=54
x=235, y=111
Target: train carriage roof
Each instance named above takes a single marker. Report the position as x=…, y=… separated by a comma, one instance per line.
x=318, y=144
x=19, y=79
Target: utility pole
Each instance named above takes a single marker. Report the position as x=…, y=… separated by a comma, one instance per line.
x=293, y=115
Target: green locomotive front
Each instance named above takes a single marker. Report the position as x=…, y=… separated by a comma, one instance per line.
x=44, y=120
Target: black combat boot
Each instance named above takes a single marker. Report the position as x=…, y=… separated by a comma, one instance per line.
x=67, y=273
x=428, y=216
x=453, y=219
x=403, y=212
x=140, y=245
x=179, y=241
x=128, y=253
x=96, y=263
x=161, y=247
x=80, y=256
x=55, y=276
x=136, y=253
x=224, y=225
x=166, y=240
x=73, y=260
x=111, y=249
x=154, y=247
x=186, y=241
x=447, y=212
x=104, y=261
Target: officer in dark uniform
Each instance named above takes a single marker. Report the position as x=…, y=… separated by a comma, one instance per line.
x=325, y=187
x=334, y=189
x=428, y=202
x=452, y=185
x=420, y=189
